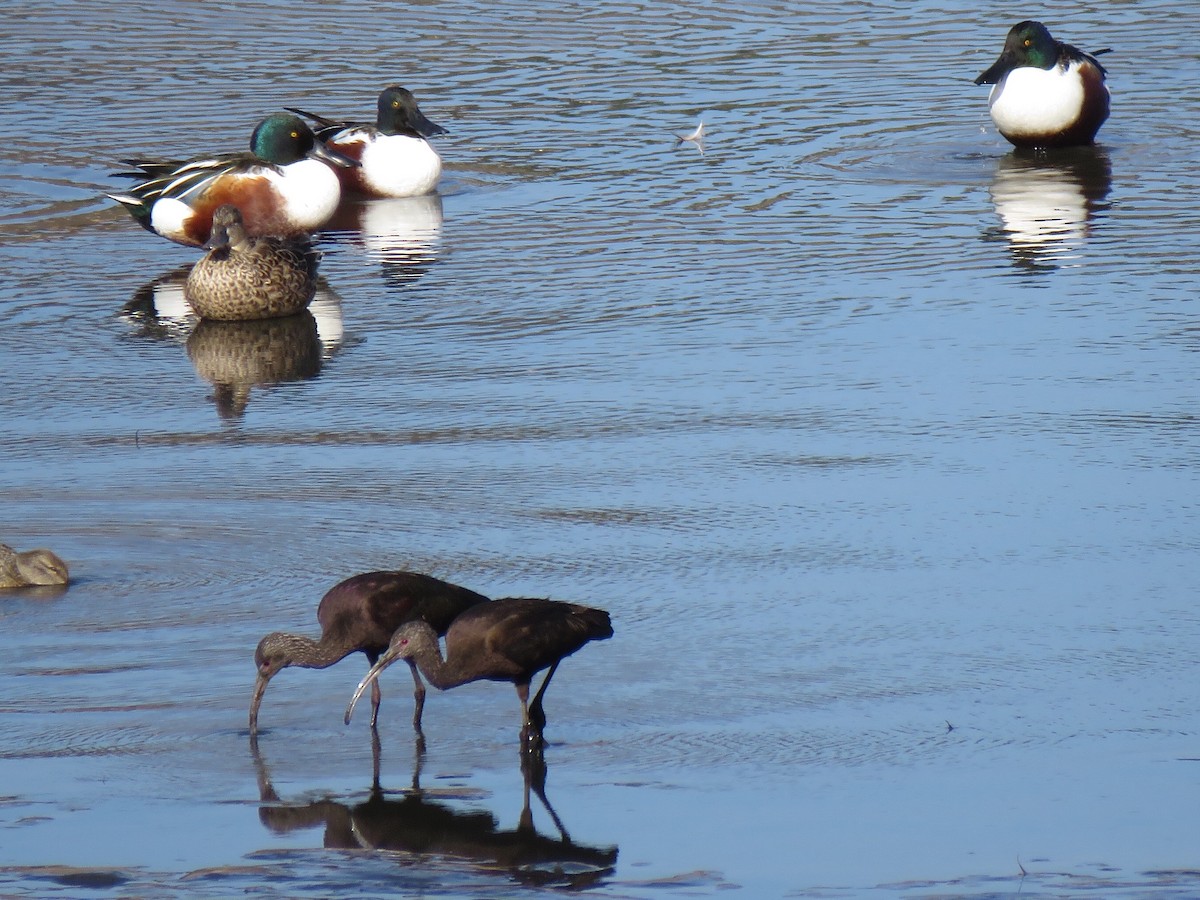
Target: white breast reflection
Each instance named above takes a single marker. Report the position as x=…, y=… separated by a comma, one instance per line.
x=1047, y=203
x=402, y=234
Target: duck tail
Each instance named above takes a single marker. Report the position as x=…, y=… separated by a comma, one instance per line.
x=136, y=207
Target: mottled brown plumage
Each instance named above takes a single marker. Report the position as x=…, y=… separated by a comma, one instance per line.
x=243, y=277
x=31, y=568
x=360, y=614
x=238, y=356
x=505, y=640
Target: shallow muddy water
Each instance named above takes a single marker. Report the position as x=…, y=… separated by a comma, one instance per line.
x=878, y=441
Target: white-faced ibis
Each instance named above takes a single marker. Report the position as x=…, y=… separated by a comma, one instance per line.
x=505, y=640
x=361, y=614
x=31, y=568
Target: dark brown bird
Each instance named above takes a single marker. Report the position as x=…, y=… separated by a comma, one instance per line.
x=360, y=614
x=505, y=640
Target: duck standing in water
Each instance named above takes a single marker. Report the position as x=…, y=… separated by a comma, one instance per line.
x=284, y=186
x=31, y=568
x=1045, y=93
x=242, y=277
x=395, y=159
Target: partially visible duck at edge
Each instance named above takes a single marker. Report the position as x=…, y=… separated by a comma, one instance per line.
x=1046, y=93
x=284, y=186
x=395, y=158
x=243, y=277
x=31, y=568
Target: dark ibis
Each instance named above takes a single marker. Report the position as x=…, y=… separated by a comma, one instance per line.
x=361, y=614
x=505, y=640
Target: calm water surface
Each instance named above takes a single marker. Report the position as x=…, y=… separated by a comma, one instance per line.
x=878, y=442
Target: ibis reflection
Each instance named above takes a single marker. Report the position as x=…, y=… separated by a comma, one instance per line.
x=420, y=822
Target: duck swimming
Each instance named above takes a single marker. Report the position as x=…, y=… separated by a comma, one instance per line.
x=1045, y=93
x=31, y=568
x=395, y=159
x=284, y=186
x=243, y=277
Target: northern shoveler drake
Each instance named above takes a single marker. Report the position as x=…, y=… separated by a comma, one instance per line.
x=284, y=186
x=244, y=277
x=1046, y=93
x=396, y=159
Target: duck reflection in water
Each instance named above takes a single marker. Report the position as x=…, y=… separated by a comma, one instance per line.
x=238, y=356
x=425, y=822
x=402, y=234
x=1047, y=201
x=158, y=309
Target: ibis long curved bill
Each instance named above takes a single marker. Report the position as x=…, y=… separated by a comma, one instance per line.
x=389, y=657
x=260, y=688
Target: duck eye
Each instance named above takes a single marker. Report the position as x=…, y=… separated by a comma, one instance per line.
x=1028, y=42
x=395, y=104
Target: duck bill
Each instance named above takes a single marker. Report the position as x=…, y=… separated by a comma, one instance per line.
x=260, y=688
x=333, y=157
x=376, y=670
x=217, y=237
x=425, y=127
x=998, y=70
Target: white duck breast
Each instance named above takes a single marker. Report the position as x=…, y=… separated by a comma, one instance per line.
x=1029, y=101
x=397, y=165
x=310, y=191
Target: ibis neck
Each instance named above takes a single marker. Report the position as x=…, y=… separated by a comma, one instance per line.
x=441, y=674
x=310, y=654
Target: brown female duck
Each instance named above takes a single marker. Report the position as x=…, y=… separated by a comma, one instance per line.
x=244, y=277
x=31, y=568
